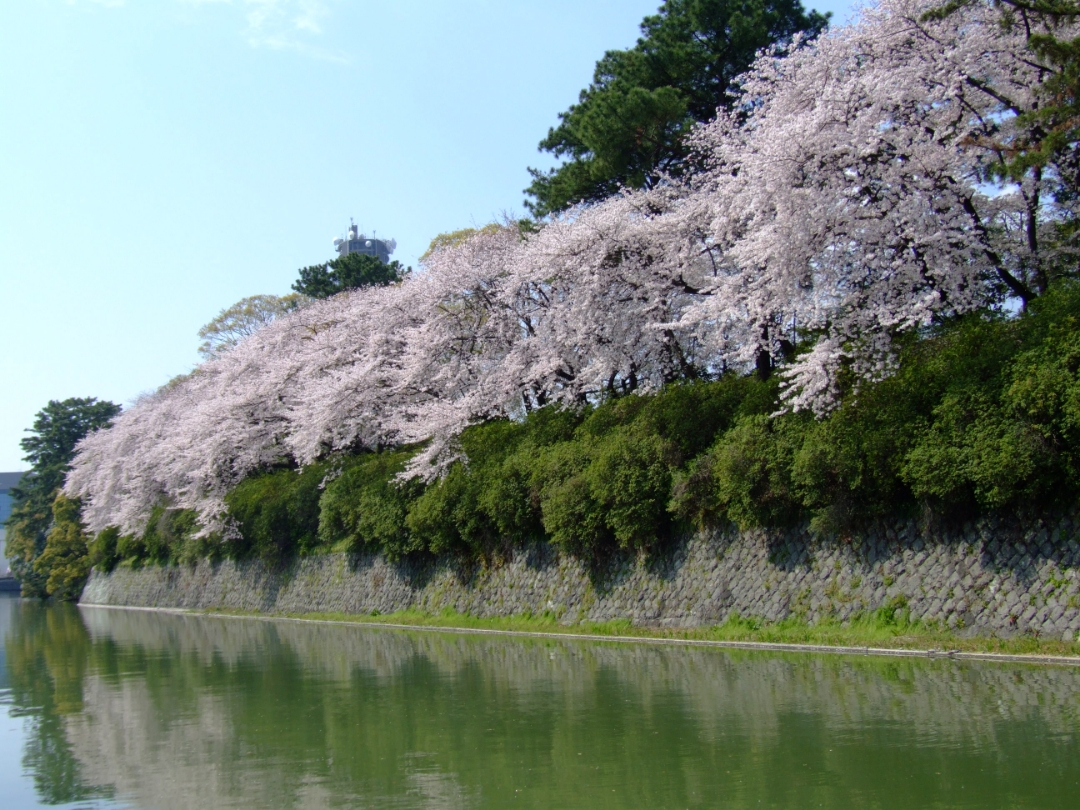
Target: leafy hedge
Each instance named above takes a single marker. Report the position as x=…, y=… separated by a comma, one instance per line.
x=982, y=414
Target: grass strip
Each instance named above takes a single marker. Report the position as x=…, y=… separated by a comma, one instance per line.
x=876, y=630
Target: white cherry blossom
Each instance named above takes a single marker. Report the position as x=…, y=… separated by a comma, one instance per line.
x=846, y=199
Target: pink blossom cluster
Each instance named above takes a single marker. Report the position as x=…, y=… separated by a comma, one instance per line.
x=847, y=198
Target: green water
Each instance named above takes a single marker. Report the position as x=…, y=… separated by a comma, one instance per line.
x=107, y=708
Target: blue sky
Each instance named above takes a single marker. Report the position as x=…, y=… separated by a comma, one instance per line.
x=161, y=159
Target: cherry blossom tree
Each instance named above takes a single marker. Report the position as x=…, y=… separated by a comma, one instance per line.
x=851, y=193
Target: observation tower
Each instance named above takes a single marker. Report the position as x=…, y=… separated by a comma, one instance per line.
x=357, y=242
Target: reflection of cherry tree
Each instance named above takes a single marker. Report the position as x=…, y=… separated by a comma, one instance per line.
x=847, y=199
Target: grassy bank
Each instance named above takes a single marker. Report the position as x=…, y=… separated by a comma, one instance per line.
x=872, y=630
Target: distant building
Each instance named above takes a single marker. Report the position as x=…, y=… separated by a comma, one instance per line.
x=368, y=245
x=7, y=481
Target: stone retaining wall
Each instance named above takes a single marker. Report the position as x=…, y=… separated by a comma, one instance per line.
x=994, y=577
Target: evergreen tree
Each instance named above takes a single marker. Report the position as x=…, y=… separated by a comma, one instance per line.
x=64, y=562
x=630, y=125
x=58, y=428
x=347, y=273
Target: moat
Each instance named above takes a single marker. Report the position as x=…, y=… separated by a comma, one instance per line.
x=105, y=708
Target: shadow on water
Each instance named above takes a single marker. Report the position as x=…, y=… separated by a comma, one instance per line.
x=184, y=711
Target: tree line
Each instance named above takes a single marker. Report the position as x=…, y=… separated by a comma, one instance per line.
x=845, y=292
x=46, y=539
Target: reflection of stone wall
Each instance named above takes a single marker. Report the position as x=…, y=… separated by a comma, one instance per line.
x=958, y=702
x=994, y=577
x=185, y=711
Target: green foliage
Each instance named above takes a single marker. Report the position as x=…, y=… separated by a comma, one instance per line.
x=570, y=512
x=981, y=415
x=364, y=507
x=586, y=479
x=103, y=551
x=27, y=528
x=486, y=498
x=447, y=517
x=630, y=479
x=452, y=239
x=277, y=513
x=1009, y=438
x=549, y=426
x=508, y=499
x=243, y=319
x=58, y=427
x=611, y=483
x=169, y=537
x=64, y=562
x=346, y=273
x=49, y=448
x=629, y=125
x=752, y=472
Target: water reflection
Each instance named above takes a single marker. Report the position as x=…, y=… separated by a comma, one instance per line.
x=182, y=711
x=45, y=660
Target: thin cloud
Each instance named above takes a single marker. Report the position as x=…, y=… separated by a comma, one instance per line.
x=288, y=25
x=280, y=25
x=309, y=15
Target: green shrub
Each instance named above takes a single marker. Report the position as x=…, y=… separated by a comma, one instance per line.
x=277, y=513
x=446, y=518
x=595, y=491
x=689, y=417
x=65, y=561
x=613, y=481
x=751, y=470
x=508, y=498
x=169, y=537
x=551, y=425
x=570, y=514
x=490, y=497
x=365, y=506
x=629, y=478
x=103, y=553
x=1009, y=442
x=844, y=469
